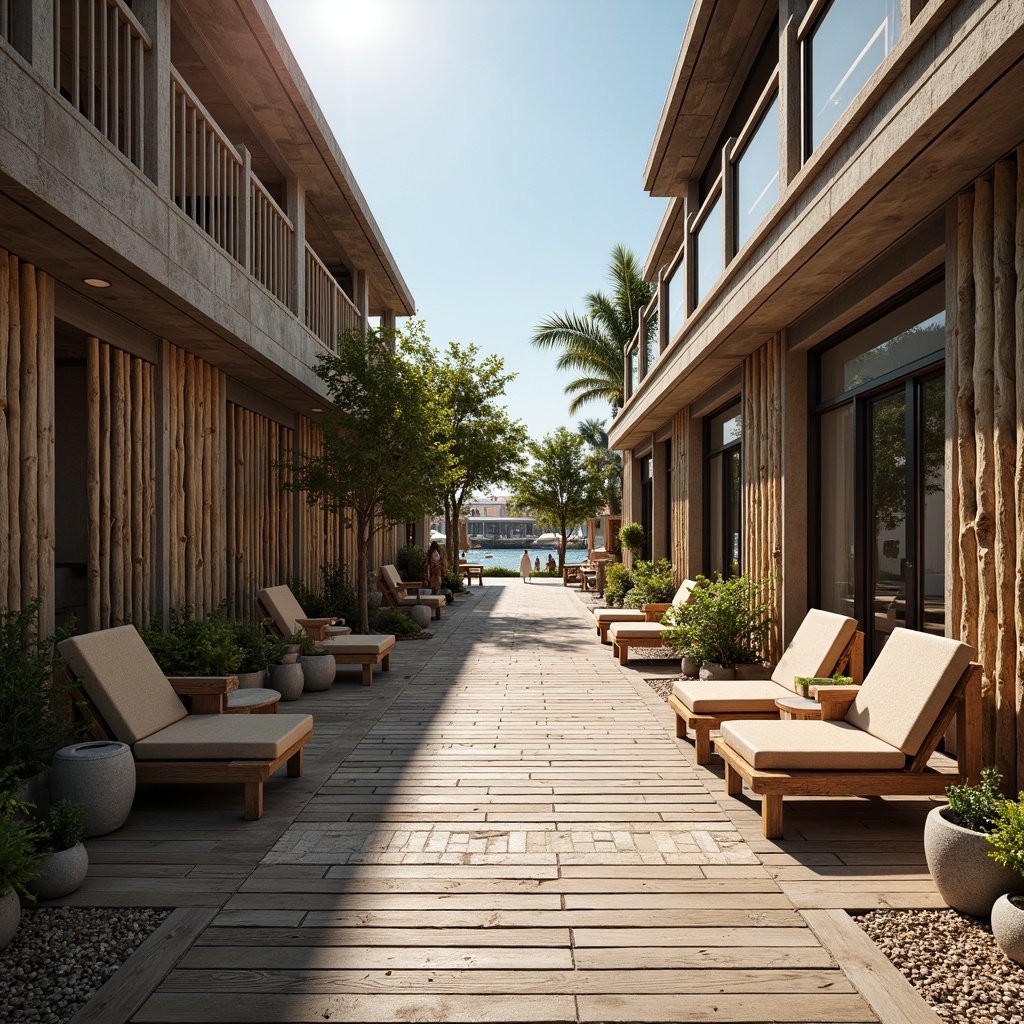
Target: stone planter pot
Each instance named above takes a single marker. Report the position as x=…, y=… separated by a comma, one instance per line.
x=10, y=915
x=1008, y=924
x=287, y=679
x=318, y=671
x=291, y=655
x=688, y=667
x=420, y=614
x=252, y=680
x=61, y=874
x=99, y=775
x=967, y=878
x=753, y=672
x=709, y=670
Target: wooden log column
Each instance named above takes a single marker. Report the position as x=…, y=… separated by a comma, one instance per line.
x=985, y=373
x=680, y=504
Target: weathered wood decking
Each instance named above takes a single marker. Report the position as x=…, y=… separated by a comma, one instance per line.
x=504, y=828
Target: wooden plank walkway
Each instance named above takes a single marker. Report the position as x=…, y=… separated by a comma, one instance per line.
x=504, y=828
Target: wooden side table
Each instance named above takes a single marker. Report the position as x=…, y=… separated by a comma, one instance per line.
x=797, y=708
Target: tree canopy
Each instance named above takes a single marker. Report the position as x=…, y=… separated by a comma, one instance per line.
x=563, y=485
x=594, y=433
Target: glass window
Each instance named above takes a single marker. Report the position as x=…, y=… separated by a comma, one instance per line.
x=723, y=483
x=757, y=175
x=710, y=249
x=846, y=47
x=725, y=428
x=651, y=338
x=634, y=370
x=675, y=300
x=836, y=498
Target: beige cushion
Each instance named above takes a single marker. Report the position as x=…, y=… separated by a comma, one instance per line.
x=124, y=681
x=684, y=595
x=709, y=697
x=825, y=746
x=389, y=574
x=371, y=643
x=225, y=738
x=430, y=600
x=816, y=647
x=619, y=615
x=283, y=608
x=636, y=631
x=908, y=686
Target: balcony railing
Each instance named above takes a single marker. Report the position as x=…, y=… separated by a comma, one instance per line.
x=649, y=333
x=99, y=50
x=270, y=242
x=674, y=307
x=7, y=20
x=207, y=172
x=329, y=311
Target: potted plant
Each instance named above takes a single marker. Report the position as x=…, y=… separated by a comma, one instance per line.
x=957, y=851
x=1007, y=838
x=618, y=581
x=631, y=537
x=19, y=836
x=257, y=647
x=194, y=647
x=63, y=862
x=318, y=667
x=653, y=583
x=286, y=675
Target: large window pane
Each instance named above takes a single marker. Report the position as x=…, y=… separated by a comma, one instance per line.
x=836, y=500
x=849, y=43
x=675, y=308
x=710, y=250
x=716, y=516
x=634, y=369
x=725, y=428
x=651, y=338
x=757, y=175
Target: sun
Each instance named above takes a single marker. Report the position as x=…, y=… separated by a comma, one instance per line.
x=355, y=24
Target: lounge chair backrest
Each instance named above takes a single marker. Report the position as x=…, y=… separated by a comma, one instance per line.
x=684, y=595
x=908, y=686
x=280, y=603
x=124, y=681
x=815, y=647
x=390, y=575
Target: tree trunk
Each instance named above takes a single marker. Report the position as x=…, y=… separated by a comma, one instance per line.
x=562, y=546
x=362, y=569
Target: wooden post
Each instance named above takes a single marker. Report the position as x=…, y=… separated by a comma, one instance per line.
x=138, y=492
x=104, y=453
x=28, y=507
x=5, y=507
x=117, y=490
x=45, y=498
x=1019, y=470
x=13, y=483
x=188, y=491
x=92, y=371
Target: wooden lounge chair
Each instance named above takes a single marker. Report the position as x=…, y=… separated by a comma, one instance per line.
x=824, y=644
x=400, y=594
x=878, y=744
x=624, y=635
x=605, y=617
x=279, y=605
x=135, y=703
x=471, y=571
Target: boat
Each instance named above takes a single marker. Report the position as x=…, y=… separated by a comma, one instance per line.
x=488, y=554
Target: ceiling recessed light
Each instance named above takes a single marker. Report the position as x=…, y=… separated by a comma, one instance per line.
x=316, y=408
x=95, y=282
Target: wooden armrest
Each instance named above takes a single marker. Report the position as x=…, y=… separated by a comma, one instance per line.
x=329, y=620
x=191, y=685
x=835, y=701
x=654, y=612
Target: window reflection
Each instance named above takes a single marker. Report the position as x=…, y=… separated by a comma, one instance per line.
x=710, y=248
x=836, y=498
x=757, y=175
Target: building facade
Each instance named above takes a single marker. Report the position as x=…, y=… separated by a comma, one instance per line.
x=180, y=236
x=829, y=383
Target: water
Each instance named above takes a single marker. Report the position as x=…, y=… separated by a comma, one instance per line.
x=508, y=558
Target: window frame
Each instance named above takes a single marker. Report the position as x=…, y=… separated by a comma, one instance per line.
x=709, y=453
x=770, y=93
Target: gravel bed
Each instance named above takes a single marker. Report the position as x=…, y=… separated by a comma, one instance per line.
x=953, y=961
x=60, y=956
x=662, y=687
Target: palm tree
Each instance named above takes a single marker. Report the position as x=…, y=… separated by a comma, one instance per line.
x=595, y=434
x=594, y=343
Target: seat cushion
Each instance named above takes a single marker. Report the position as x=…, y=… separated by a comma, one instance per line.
x=707, y=697
x=371, y=643
x=908, y=686
x=823, y=746
x=815, y=647
x=636, y=630
x=282, y=607
x=619, y=615
x=225, y=738
x=124, y=681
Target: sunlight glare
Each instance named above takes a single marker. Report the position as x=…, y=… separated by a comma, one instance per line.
x=353, y=24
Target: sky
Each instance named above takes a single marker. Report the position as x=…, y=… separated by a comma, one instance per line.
x=500, y=145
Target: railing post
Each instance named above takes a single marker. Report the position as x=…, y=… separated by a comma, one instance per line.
x=296, y=209
x=664, y=337
x=791, y=13
x=36, y=43
x=155, y=18
x=361, y=286
x=245, y=211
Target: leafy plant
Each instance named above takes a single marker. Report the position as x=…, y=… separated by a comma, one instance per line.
x=255, y=643
x=393, y=620
x=1007, y=835
x=411, y=562
x=724, y=623
x=452, y=583
x=194, y=647
x=64, y=826
x=653, y=583
x=33, y=704
x=631, y=537
x=618, y=582
x=500, y=572
x=20, y=838
x=977, y=807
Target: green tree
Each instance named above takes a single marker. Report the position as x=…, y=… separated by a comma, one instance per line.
x=594, y=433
x=375, y=468
x=594, y=344
x=563, y=485
x=476, y=442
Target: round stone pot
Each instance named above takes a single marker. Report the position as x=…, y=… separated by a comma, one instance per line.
x=688, y=667
x=252, y=680
x=420, y=614
x=709, y=670
x=318, y=671
x=287, y=680
x=61, y=874
x=967, y=878
x=10, y=915
x=1008, y=924
x=101, y=776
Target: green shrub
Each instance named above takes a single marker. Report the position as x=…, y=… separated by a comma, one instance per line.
x=194, y=647
x=411, y=561
x=255, y=643
x=618, y=582
x=653, y=583
x=1007, y=835
x=453, y=583
x=545, y=574
x=977, y=807
x=724, y=623
x=631, y=537
x=500, y=572
x=20, y=839
x=64, y=825
x=335, y=594
x=391, y=620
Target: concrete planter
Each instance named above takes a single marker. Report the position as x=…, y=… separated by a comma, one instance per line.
x=318, y=671
x=1008, y=924
x=420, y=614
x=967, y=878
x=757, y=671
x=100, y=776
x=61, y=874
x=10, y=915
x=709, y=670
x=288, y=680
x=688, y=667
x=252, y=680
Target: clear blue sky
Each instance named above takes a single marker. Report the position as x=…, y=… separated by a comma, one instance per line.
x=500, y=145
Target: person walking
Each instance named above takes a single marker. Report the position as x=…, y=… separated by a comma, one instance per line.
x=434, y=569
x=525, y=566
